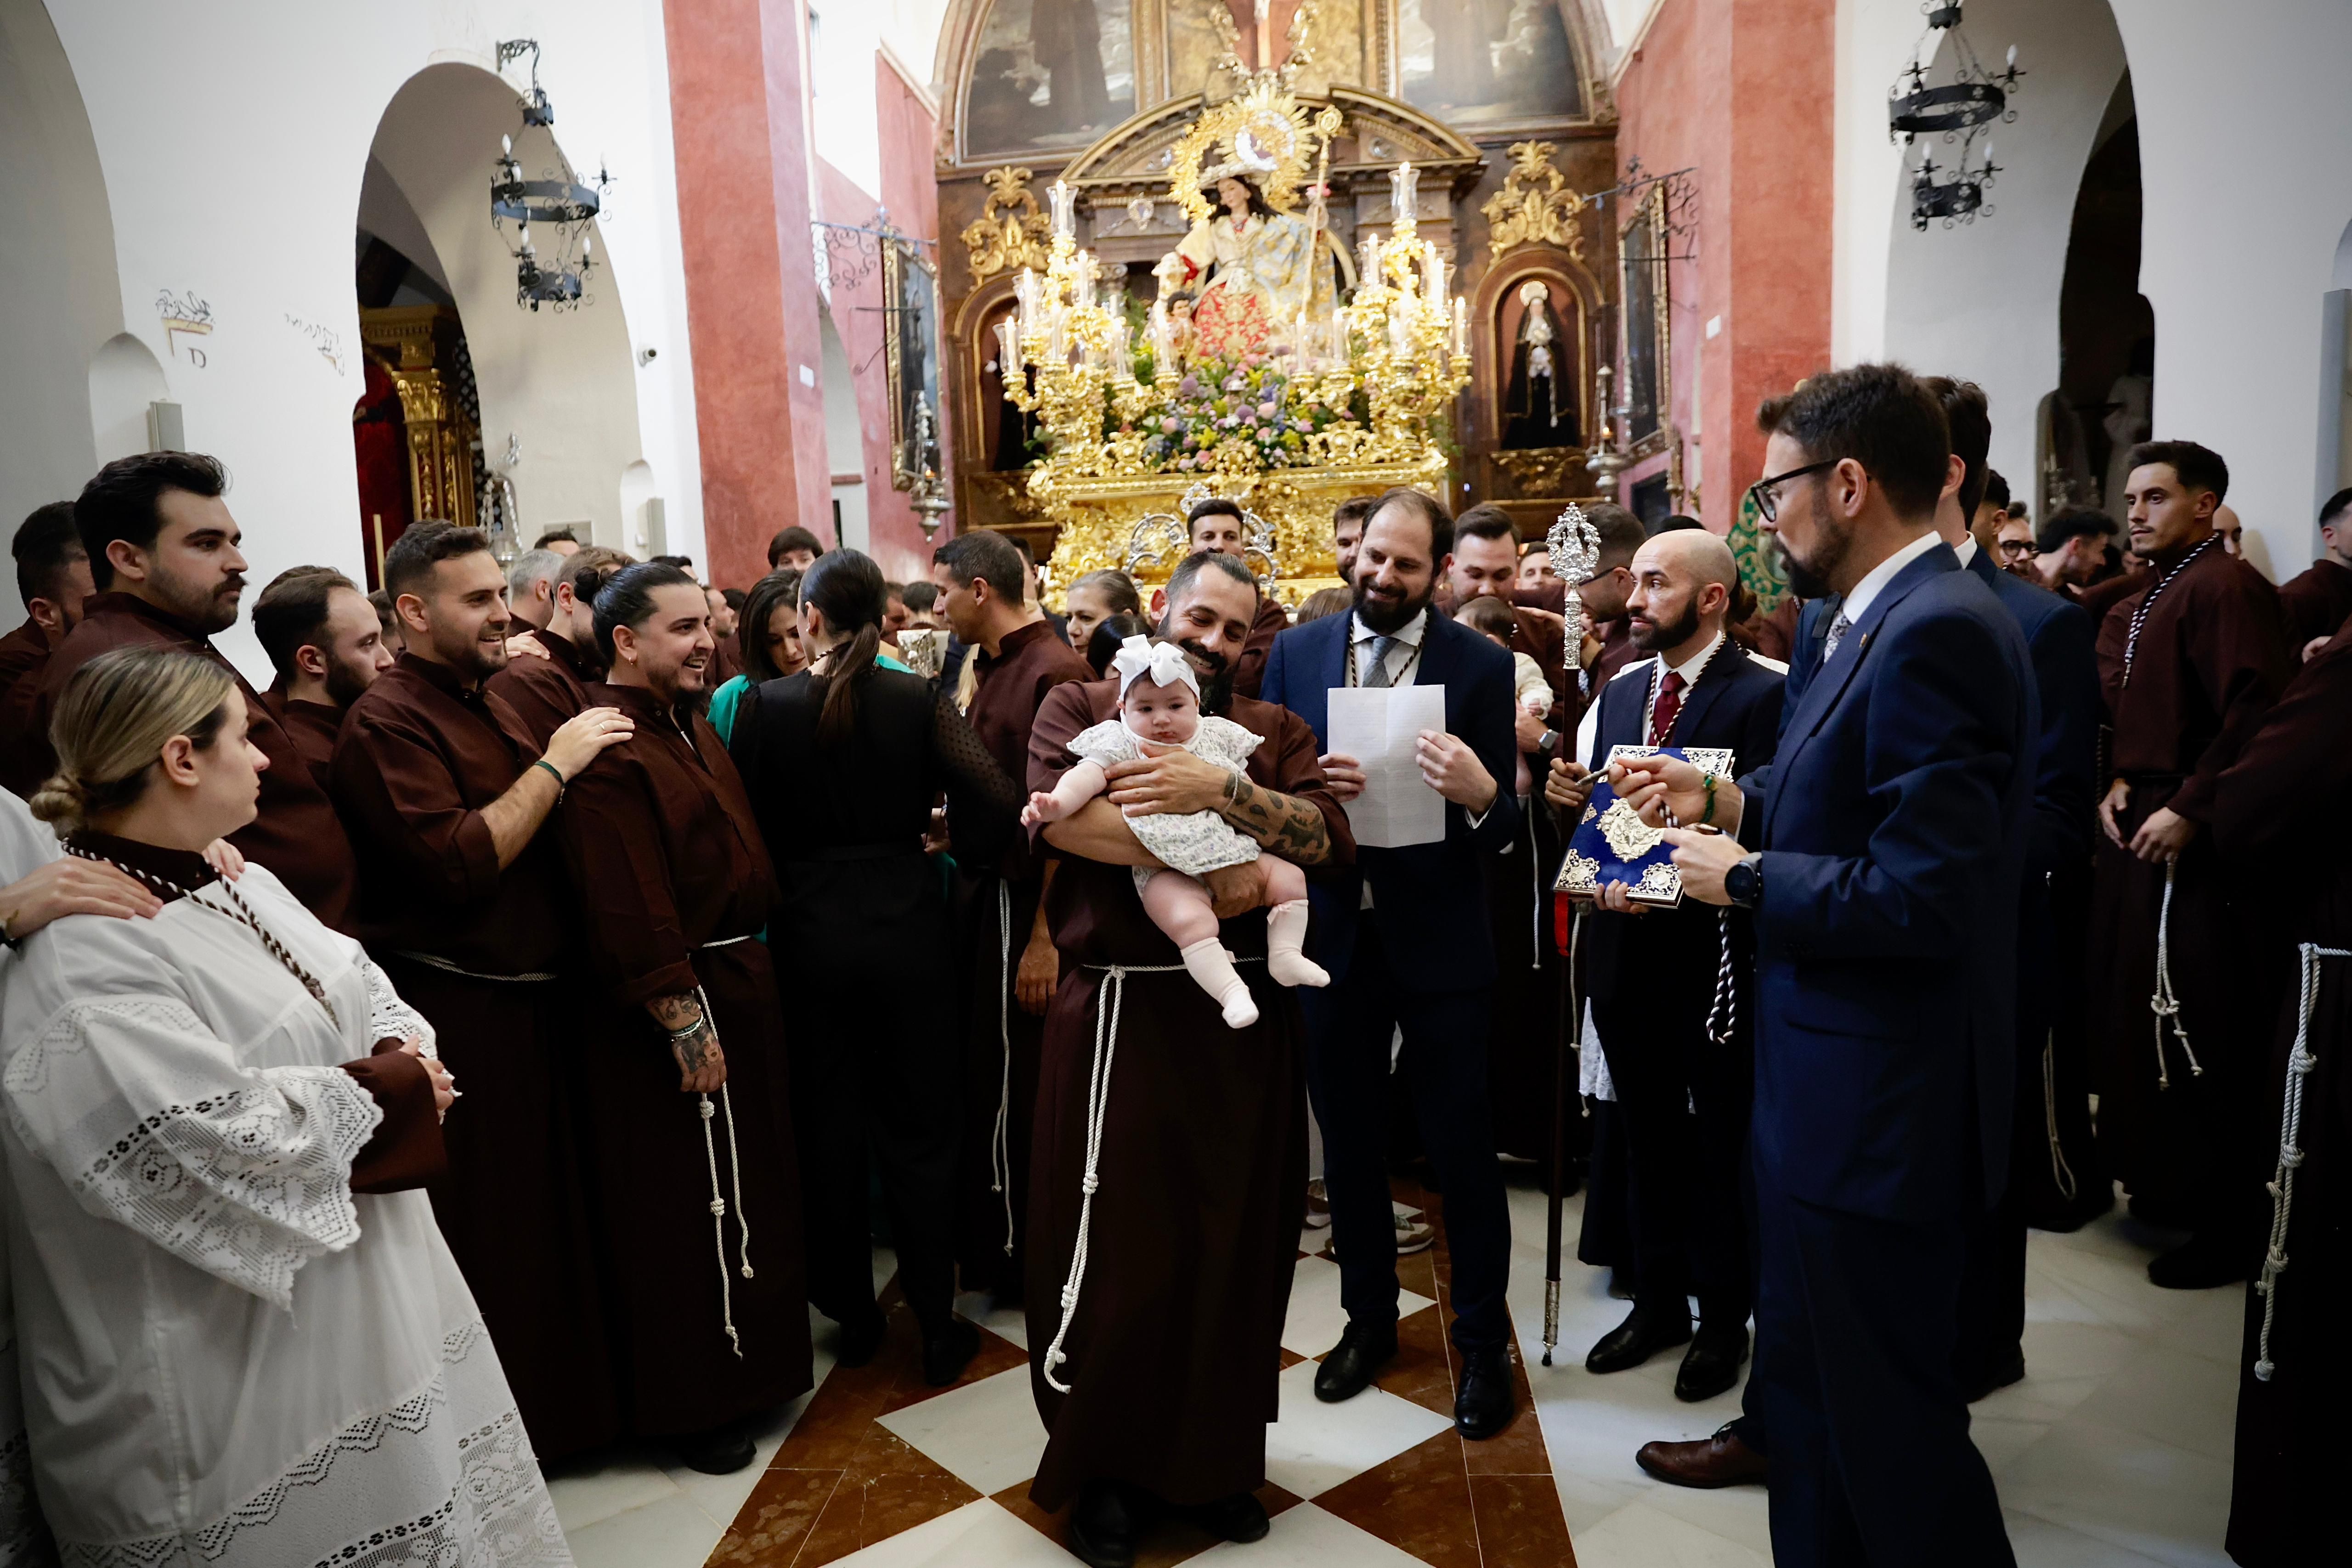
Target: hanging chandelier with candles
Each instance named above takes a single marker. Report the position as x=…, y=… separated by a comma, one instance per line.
x=1960, y=112
x=552, y=265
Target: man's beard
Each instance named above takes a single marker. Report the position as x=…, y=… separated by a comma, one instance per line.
x=1649, y=636
x=1216, y=675
x=208, y=610
x=1385, y=618
x=474, y=658
x=345, y=683
x=1811, y=578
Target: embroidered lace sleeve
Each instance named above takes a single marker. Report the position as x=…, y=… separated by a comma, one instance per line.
x=144, y=1113
x=389, y=1017
x=1105, y=743
x=1225, y=743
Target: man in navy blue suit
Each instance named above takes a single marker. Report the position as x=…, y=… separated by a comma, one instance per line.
x=2053, y=1173
x=1408, y=945
x=1881, y=855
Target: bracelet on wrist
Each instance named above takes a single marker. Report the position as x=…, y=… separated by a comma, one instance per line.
x=690, y=1030
x=1707, y=783
x=561, y=783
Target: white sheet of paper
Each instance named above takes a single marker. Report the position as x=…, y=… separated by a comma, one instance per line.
x=1378, y=726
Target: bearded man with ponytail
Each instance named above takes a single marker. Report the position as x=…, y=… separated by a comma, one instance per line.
x=689, y=1145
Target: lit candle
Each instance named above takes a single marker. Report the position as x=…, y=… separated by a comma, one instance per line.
x=1404, y=181
x=1461, y=327
x=1065, y=209
x=1368, y=260
x=1008, y=351
x=1027, y=293
x=1122, y=351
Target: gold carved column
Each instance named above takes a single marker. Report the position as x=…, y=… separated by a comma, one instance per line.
x=440, y=434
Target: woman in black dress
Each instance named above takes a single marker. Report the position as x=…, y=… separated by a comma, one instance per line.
x=844, y=762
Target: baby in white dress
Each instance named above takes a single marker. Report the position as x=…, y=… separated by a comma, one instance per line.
x=1160, y=711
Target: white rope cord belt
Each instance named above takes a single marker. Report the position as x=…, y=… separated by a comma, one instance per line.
x=2165, y=1004
x=719, y=1202
x=1000, y=1141
x=1109, y=998
x=2299, y=1064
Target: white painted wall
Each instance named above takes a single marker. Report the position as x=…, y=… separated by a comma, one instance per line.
x=232, y=138
x=2246, y=167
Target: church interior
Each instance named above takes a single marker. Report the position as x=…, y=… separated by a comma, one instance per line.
x=678, y=274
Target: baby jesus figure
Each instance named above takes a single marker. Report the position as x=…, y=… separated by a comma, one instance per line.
x=1159, y=712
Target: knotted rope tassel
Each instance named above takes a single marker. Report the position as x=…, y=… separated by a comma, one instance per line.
x=719, y=1203
x=1000, y=1142
x=2299, y=1063
x=2165, y=1004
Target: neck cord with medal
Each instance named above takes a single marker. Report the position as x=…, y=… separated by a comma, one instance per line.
x=1402, y=670
x=238, y=911
x=2148, y=601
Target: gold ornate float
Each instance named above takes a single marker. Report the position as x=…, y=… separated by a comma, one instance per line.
x=1332, y=402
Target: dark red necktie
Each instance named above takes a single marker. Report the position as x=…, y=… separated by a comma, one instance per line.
x=1669, y=704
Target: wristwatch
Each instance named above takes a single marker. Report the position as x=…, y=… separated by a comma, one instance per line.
x=1743, y=883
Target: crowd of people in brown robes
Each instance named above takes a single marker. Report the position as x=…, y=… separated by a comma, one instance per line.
x=647, y=853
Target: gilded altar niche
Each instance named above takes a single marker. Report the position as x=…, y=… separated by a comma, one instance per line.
x=1496, y=103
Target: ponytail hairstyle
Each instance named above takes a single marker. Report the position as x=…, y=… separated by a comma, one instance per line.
x=845, y=586
x=112, y=721
x=627, y=600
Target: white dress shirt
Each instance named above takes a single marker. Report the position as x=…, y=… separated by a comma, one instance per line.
x=1401, y=661
x=1874, y=581
x=1966, y=549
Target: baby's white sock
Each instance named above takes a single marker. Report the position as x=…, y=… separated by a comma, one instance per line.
x=1211, y=969
x=1285, y=934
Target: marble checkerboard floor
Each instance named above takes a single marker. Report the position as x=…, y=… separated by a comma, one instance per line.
x=2114, y=1452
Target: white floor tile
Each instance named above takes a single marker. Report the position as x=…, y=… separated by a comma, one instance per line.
x=1307, y=1537
x=1314, y=1446
x=612, y=1484
x=1640, y=1535
x=986, y=1434
x=977, y=1535
x=1008, y=1323
x=1316, y=1318
x=670, y=1532
x=2042, y=1544
x=2127, y=1491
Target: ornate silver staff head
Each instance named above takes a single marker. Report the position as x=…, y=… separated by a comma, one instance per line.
x=1575, y=546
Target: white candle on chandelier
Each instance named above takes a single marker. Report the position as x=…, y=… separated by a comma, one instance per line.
x=1368, y=260
x=1461, y=327
x=1065, y=209
x=1404, y=181
x=1008, y=350
x=1026, y=293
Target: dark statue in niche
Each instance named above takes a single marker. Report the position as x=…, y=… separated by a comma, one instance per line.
x=1049, y=72
x=1540, y=405
x=1012, y=441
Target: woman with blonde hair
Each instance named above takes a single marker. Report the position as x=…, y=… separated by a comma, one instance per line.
x=243, y=1337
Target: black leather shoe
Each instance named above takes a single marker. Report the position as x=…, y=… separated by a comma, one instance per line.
x=1239, y=1517
x=1645, y=1332
x=1711, y=1365
x=945, y=1354
x=861, y=1336
x=1103, y=1527
x=1352, y=1363
x=2012, y=1370
x=1485, y=1401
x=721, y=1451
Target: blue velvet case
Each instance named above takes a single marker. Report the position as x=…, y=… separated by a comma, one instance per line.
x=1611, y=844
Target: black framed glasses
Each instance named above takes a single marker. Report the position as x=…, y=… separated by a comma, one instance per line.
x=2018, y=550
x=1765, y=492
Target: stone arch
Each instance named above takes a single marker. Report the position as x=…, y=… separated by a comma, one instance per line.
x=64, y=297
x=561, y=383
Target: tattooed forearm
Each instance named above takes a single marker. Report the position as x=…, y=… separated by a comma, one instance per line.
x=683, y=1012
x=1290, y=827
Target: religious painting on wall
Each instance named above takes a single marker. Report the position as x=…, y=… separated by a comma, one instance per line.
x=1048, y=73
x=1643, y=252
x=910, y=336
x=1476, y=63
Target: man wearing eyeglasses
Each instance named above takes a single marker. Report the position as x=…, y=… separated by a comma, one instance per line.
x=2013, y=541
x=1881, y=854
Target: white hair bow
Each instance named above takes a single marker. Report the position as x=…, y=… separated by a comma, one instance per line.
x=1163, y=662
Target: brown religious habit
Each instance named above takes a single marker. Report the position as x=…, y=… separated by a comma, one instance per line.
x=1249, y=666
x=296, y=832
x=2274, y=825
x=999, y=910
x=1198, y=1168
x=22, y=653
x=2187, y=667
x=488, y=956
x=313, y=727
x=2317, y=602
x=705, y=1299
x=2097, y=597
x=547, y=693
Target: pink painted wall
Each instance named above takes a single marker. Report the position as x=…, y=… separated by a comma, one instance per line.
x=1741, y=90
x=739, y=116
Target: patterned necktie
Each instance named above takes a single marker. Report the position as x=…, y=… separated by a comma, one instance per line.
x=1838, y=629
x=1669, y=704
x=1378, y=675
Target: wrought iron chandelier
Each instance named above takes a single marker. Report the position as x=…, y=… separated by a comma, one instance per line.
x=553, y=273
x=1960, y=112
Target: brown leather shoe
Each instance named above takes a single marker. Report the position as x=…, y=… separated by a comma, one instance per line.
x=1722, y=1460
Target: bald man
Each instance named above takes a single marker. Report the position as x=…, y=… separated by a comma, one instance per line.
x=1681, y=1075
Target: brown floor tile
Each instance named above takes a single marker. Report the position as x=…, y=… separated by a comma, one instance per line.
x=1170, y=1541
x=1419, y=1372
x=1520, y=1523
x=1418, y=1501
x=1290, y=1358
x=995, y=1356
x=775, y=1520
x=890, y=1487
